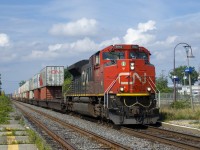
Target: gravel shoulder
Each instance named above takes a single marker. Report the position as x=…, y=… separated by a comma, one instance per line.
x=184, y=126
x=187, y=123
x=117, y=136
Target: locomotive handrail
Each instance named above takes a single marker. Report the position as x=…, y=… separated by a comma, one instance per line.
x=151, y=85
x=155, y=91
x=107, y=90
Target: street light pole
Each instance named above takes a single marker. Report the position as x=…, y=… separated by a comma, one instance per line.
x=174, y=77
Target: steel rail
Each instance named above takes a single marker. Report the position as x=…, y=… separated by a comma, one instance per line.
x=160, y=138
x=175, y=133
x=110, y=143
x=66, y=144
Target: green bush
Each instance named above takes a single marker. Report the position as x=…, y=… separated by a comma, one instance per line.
x=180, y=104
x=5, y=109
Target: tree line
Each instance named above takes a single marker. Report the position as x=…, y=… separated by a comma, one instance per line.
x=182, y=78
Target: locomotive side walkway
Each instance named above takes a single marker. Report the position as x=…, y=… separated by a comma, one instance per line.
x=13, y=136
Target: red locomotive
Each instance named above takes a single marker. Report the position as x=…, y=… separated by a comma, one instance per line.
x=116, y=83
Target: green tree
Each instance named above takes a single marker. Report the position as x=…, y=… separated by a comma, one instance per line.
x=162, y=84
x=67, y=74
x=180, y=73
x=2, y=93
x=67, y=81
x=22, y=83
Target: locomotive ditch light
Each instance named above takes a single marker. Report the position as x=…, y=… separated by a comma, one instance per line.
x=132, y=67
x=122, y=89
x=148, y=89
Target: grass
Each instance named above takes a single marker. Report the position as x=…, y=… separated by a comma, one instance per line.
x=12, y=133
x=21, y=121
x=34, y=138
x=5, y=109
x=168, y=114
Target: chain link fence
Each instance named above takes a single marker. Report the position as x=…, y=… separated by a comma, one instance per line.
x=167, y=98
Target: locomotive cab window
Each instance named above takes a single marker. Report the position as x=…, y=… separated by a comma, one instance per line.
x=113, y=55
x=139, y=55
x=133, y=55
x=97, y=59
x=143, y=55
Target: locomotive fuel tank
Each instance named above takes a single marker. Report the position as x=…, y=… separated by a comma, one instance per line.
x=81, y=99
x=84, y=108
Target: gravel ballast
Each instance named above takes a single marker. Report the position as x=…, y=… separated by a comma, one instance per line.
x=115, y=135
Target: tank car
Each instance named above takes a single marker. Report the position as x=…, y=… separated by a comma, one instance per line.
x=117, y=83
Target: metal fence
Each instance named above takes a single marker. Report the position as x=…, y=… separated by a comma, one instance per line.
x=167, y=98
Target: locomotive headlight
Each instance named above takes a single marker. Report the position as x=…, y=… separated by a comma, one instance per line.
x=121, y=89
x=132, y=66
x=148, y=89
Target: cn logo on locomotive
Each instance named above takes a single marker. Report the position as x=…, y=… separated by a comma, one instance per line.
x=55, y=71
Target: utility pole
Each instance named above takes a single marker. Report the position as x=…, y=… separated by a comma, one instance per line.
x=0, y=84
x=187, y=48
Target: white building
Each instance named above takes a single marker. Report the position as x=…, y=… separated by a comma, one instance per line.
x=186, y=90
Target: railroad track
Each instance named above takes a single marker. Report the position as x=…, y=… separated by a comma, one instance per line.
x=65, y=144
x=177, y=139
x=106, y=143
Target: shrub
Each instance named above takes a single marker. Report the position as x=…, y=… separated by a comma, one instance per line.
x=5, y=109
x=180, y=104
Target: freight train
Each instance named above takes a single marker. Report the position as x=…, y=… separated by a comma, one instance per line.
x=116, y=83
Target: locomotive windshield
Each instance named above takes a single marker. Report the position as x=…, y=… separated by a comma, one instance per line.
x=113, y=55
x=138, y=55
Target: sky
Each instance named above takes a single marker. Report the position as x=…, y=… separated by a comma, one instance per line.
x=39, y=33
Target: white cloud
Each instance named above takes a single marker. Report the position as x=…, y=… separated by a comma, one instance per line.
x=84, y=45
x=159, y=55
x=169, y=40
x=83, y=27
x=63, y=50
x=40, y=55
x=140, y=35
x=4, y=40
x=54, y=47
x=113, y=41
x=144, y=27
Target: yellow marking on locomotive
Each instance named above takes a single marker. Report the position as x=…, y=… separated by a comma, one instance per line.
x=119, y=94
x=133, y=94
